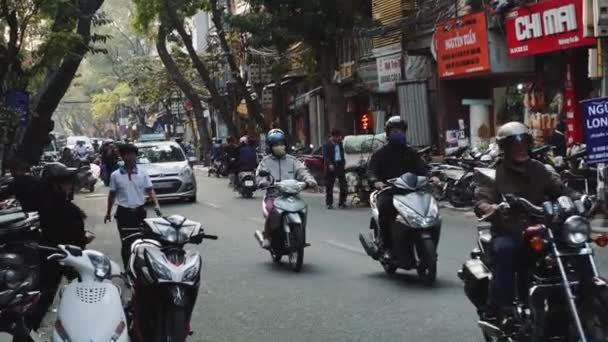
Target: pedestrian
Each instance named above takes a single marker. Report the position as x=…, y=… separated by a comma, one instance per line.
x=129, y=187
x=333, y=157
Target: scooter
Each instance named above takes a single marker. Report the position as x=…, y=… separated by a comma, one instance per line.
x=90, y=308
x=415, y=233
x=287, y=222
x=165, y=277
x=246, y=184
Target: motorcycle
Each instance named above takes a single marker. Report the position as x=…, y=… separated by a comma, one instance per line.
x=90, y=308
x=219, y=167
x=415, y=233
x=287, y=222
x=19, y=272
x=246, y=184
x=85, y=179
x=165, y=277
x=561, y=296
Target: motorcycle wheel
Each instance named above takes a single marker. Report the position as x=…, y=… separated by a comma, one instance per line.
x=594, y=313
x=176, y=325
x=427, y=253
x=389, y=269
x=454, y=196
x=276, y=258
x=296, y=255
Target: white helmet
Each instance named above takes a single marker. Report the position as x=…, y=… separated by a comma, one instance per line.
x=244, y=139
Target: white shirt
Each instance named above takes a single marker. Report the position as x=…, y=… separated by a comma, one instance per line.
x=338, y=155
x=130, y=193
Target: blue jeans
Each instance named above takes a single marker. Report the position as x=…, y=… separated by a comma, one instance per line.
x=507, y=259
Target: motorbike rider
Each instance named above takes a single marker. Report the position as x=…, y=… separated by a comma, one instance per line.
x=67, y=158
x=519, y=175
x=231, y=150
x=81, y=151
x=281, y=166
x=391, y=161
x=247, y=158
x=61, y=222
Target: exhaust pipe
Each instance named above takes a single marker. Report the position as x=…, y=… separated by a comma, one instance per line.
x=259, y=237
x=369, y=245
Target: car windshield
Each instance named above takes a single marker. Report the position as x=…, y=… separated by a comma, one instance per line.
x=75, y=140
x=160, y=154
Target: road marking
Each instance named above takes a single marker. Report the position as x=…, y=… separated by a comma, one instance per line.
x=213, y=205
x=344, y=247
x=95, y=195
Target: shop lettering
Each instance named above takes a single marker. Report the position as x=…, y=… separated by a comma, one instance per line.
x=459, y=41
x=599, y=109
x=550, y=22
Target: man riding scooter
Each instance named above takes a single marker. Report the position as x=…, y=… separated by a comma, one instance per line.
x=519, y=175
x=247, y=158
x=391, y=161
x=280, y=166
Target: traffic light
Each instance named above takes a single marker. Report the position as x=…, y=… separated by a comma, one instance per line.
x=365, y=121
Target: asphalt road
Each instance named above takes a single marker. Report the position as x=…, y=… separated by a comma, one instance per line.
x=340, y=295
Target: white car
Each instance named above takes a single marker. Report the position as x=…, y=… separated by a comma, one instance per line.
x=168, y=168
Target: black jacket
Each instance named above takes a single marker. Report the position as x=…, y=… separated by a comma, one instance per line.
x=393, y=161
x=536, y=184
x=329, y=154
x=26, y=190
x=61, y=221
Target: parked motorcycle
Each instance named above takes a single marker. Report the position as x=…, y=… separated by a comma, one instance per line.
x=165, y=277
x=219, y=167
x=85, y=179
x=564, y=298
x=90, y=308
x=246, y=184
x=19, y=272
x=287, y=222
x=415, y=233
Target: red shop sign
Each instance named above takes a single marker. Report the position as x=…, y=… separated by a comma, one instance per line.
x=544, y=27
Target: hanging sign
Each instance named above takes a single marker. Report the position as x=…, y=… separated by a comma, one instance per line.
x=595, y=119
x=462, y=46
x=389, y=72
x=574, y=130
x=544, y=27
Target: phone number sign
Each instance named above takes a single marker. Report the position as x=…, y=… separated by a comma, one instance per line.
x=595, y=121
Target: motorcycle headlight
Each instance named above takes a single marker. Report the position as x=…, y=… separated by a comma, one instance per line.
x=159, y=270
x=414, y=219
x=101, y=264
x=433, y=209
x=192, y=274
x=576, y=231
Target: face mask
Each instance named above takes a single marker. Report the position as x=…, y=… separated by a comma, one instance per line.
x=397, y=138
x=121, y=163
x=279, y=150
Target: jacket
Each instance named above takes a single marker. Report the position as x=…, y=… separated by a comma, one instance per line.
x=536, y=184
x=26, y=189
x=61, y=221
x=393, y=161
x=288, y=167
x=247, y=159
x=329, y=154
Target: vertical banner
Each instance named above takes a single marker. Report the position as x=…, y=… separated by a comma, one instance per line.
x=574, y=130
x=595, y=118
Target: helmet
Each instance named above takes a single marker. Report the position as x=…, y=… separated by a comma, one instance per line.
x=243, y=139
x=395, y=122
x=58, y=173
x=512, y=132
x=275, y=136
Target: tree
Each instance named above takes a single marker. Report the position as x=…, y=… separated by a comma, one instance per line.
x=148, y=12
x=320, y=25
x=44, y=44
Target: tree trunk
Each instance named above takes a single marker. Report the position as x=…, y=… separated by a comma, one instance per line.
x=184, y=85
x=278, y=104
x=216, y=98
x=334, y=97
x=253, y=105
x=54, y=87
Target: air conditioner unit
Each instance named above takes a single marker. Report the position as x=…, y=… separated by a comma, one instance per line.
x=600, y=18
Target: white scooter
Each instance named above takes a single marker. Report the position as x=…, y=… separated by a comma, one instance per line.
x=90, y=307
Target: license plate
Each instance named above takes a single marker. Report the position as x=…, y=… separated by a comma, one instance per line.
x=248, y=183
x=163, y=185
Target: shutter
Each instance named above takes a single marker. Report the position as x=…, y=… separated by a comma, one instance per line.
x=414, y=108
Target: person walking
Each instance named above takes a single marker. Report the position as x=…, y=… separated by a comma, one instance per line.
x=333, y=157
x=128, y=189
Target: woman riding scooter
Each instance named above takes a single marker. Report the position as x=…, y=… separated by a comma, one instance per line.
x=61, y=222
x=280, y=166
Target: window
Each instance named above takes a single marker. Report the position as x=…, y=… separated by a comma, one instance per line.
x=160, y=154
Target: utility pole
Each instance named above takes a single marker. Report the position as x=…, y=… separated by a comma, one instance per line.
x=601, y=167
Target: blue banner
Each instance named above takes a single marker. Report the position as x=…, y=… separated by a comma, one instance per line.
x=595, y=121
x=19, y=102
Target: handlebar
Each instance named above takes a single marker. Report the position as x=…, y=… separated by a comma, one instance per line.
x=525, y=205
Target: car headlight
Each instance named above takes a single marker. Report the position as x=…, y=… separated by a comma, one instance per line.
x=576, y=231
x=101, y=264
x=159, y=270
x=192, y=274
x=186, y=172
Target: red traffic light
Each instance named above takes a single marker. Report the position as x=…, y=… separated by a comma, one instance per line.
x=365, y=121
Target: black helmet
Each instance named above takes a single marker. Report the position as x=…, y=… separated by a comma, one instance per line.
x=58, y=173
x=512, y=132
x=395, y=122
x=126, y=148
